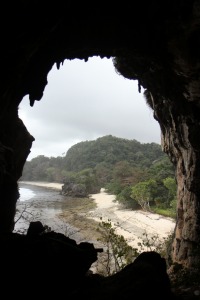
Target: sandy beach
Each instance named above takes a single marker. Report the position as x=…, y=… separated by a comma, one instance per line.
x=131, y=224
x=51, y=185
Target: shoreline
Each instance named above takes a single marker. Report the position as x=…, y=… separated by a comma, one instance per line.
x=45, y=205
x=131, y=224
x=52, y=185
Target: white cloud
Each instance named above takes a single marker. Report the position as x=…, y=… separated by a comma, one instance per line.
x=84, y=101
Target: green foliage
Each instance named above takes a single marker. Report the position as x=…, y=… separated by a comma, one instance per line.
x=42, y=168
x=161, y=194
x=167, y=212
x=88, y=178
x=173, y=205
x=85, y=180
x=143, y=193
x=171, y=201
x=162, y=168
x=113, y=187
x=103, y=173
x=171, y=185
x=151, y=243
x=103, y=154
x=119, y=253
x=113, y=163
x=122, y=169
x=124, y=198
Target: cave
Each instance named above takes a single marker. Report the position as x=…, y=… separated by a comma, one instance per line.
x=154, y=42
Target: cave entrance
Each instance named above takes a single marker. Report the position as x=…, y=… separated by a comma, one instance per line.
x=84, y=101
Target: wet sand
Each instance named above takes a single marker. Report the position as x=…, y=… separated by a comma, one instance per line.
x=55, y=210
x=46, y=206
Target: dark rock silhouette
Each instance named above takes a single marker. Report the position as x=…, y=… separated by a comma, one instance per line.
x=154, y=42
x=48, y=263
x=145, y=278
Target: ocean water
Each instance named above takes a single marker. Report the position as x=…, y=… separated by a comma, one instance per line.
x=43, y=212
x=25, y=194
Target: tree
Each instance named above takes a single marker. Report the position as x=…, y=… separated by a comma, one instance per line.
x=142, y=193
x=171, y=185
x=122, y=169
x=125, y=199
x=118, y=252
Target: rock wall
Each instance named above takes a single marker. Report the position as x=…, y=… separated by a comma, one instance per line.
x=155, y=42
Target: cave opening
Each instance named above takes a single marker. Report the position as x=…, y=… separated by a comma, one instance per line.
x=83, y=101
x=101, y=89
x=156, y=43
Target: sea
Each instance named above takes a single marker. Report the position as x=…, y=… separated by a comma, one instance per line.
x=25, y=194
x=28, y=212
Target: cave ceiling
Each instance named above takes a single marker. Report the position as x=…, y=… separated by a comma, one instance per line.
x=156, y=43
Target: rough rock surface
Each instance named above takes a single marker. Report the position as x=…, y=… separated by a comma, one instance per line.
x=155, y=42
x=59, y=266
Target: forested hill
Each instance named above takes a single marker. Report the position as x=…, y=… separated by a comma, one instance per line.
x=110, y=150
x=124, y=167
x=105, y=151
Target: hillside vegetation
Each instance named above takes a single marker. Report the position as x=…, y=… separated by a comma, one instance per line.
x=140, y=175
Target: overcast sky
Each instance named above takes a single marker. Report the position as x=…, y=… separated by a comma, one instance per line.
x=84, y=101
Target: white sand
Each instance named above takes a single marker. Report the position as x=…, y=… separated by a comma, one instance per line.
x=131, y=224
x=53, y=185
